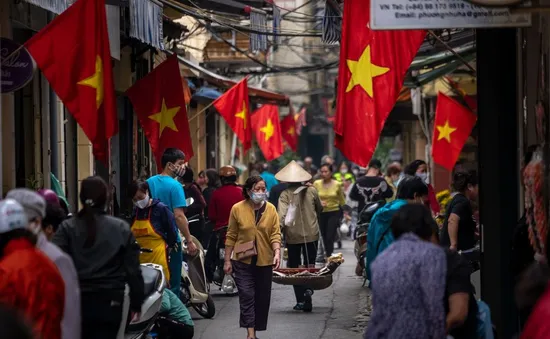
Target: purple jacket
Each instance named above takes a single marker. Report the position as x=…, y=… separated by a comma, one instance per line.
x=408, y=288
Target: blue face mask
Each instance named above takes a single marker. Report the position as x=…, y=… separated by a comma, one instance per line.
x=258, y=198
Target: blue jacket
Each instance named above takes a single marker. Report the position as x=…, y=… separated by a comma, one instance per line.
x=379, y=228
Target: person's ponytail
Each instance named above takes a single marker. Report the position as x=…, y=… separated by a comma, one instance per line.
x=93, y=196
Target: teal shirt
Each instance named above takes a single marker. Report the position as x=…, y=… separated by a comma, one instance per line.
x=270, y=180
x=173, y=308
x=380, y=232
x=169, y=191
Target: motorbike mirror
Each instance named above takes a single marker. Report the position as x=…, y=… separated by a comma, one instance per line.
x=189, y=201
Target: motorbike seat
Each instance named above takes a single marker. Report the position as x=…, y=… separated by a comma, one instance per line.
x=369, y=210
x=151, y=279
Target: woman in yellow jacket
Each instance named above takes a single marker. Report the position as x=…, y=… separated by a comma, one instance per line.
x=332, y=198
x=252, y=251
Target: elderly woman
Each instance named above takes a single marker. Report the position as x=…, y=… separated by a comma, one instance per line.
x=299, y=206
x=252, y=251
x=408, y=280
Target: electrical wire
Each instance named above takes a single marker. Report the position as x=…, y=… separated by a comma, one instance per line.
x=181, y=8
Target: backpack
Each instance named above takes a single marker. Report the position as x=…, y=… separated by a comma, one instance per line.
x=290, y=217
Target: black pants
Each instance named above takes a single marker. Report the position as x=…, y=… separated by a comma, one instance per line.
x=328, y=223
x=295, y=253
x=211, y=259
x=101, y=315
x=254, y=285
x=171, y=329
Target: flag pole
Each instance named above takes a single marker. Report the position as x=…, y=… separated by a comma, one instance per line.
x=233, y=149
x=202, y=110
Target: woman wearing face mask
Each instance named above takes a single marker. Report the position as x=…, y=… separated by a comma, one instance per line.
x=344, y=173
x=393, y=175
x=419, y=168
x=153, y=226
x=252, y=251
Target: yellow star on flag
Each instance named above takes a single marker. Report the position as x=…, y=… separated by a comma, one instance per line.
x=242, y=114
x=290, y=131
x=268, y=130
x=165, y=117
x=96, y=81
x=445, y=131
x=363, y=71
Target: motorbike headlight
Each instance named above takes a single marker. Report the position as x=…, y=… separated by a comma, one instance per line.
x=222, y=253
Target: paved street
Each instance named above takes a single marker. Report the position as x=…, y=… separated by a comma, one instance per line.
x=338, y=312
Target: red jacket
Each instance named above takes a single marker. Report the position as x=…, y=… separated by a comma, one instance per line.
x=221, y=203
x=538, y=326
x=30, y=283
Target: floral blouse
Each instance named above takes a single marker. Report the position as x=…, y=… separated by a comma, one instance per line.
x=408, y=288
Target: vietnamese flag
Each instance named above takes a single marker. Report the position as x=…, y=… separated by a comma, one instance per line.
x=159, y=103
x=452, y=127
x=73, y=53
x=233, y=106
x=372, y=69
x=265, y=123
x=288, y=129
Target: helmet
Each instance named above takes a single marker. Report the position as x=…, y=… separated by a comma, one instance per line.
x=227, y=171
x=50, y=197
x=12, y=216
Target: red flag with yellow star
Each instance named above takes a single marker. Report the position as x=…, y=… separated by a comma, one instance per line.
x=73, y=53
x=370, y=76
x=233, y=106
x=265, y=123
x=288, y=129
x=452, y=127
x=159, y=103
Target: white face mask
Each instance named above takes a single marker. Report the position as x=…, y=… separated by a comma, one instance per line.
x=344, y=170
x=143, y=202
x=423, y=176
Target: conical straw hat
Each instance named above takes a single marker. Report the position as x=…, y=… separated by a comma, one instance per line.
x=293, y=173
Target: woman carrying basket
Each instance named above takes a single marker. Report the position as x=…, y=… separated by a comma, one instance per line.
x=253, y=241
x=298, y=208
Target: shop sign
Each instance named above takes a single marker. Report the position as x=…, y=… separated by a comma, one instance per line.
x=436, y=14
x=16, y=66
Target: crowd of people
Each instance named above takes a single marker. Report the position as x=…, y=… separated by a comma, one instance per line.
x=65, y=275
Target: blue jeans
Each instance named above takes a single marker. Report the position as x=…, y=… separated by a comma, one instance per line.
x=175, y=270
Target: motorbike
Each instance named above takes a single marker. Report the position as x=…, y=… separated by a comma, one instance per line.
x=195, y=289
x=225, y=282
x=154, y=285
x=360, y=246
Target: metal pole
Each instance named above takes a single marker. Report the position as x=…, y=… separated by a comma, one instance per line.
x=54, y=128
x=233, y=149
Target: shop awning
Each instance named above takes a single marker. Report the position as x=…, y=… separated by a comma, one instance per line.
x=205, y=94
x=260, y=95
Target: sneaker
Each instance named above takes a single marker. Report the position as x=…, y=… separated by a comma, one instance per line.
x=299, y=307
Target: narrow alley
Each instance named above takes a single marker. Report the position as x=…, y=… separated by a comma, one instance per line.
x=340, y=311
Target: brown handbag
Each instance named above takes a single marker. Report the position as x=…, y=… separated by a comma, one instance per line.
x=246, y=250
